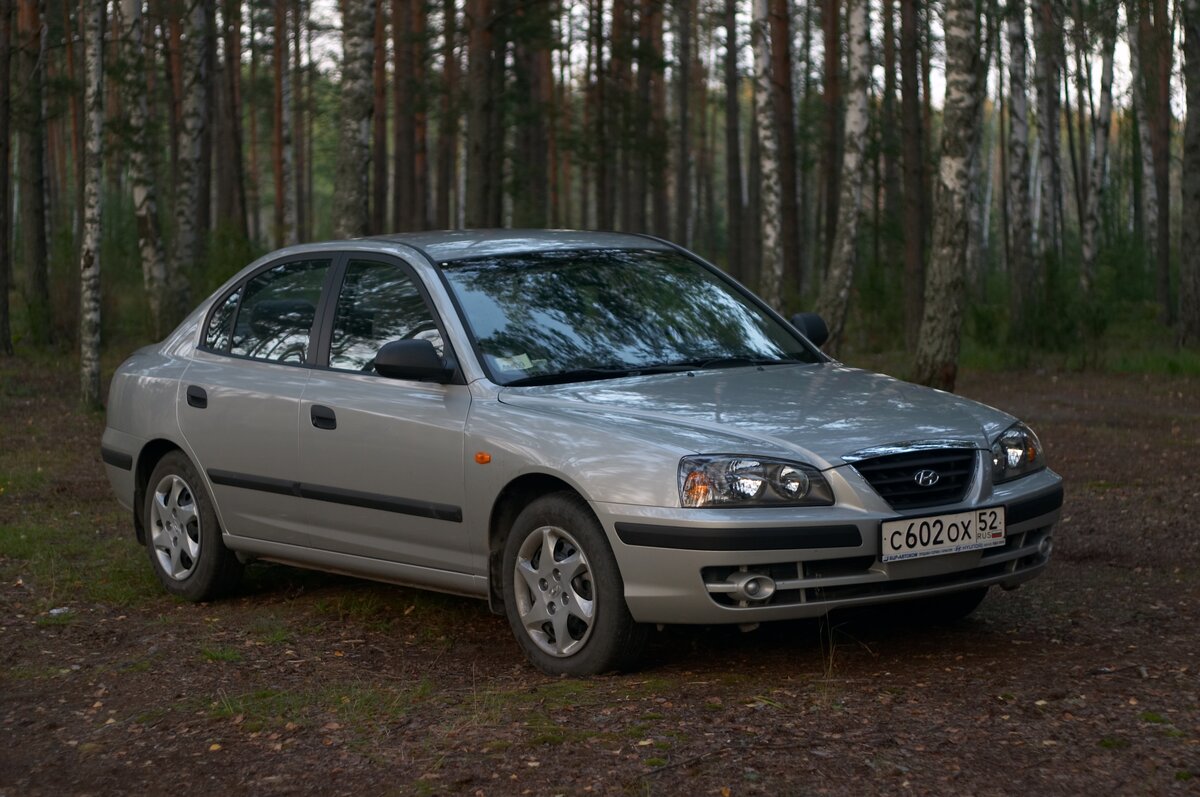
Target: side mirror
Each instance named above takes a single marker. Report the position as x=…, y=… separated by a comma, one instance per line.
x=812, y=326
x=411, y=359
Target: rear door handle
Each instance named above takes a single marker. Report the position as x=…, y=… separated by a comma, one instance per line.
x=322, y=417
x=197, y=397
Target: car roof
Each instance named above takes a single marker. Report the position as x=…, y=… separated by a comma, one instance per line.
x=449, y=245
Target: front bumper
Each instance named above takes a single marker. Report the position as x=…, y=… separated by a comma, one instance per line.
x=677, y=564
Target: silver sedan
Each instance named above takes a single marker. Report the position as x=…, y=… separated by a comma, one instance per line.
x=594, y=432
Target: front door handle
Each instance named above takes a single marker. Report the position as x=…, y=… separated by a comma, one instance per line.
x=197, y=397
x=323, y=417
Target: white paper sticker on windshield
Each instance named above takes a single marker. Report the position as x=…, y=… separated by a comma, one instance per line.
x=520, y=362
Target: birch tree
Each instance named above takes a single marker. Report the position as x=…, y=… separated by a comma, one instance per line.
x=771, y=268
x=1047, y=40
x=1021, y=265
x=945, y=287
x=1099, y=161
x=1189, y=261
x=835, y=293
x=193, y=120
x=89, y=253
x=141, y=172
x=351, y=196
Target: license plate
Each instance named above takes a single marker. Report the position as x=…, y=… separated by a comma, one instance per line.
x=913, y=538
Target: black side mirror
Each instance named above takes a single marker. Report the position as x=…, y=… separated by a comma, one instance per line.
x=812, y=326
x=411, y=359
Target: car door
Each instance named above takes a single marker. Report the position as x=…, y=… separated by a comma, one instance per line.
x=383, y=458
x=239, y=399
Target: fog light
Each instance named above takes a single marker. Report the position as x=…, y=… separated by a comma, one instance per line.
x=753, y=586
x=1046, y=546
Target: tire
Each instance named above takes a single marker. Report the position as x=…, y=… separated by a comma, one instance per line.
x=950, y=608
x=563, y=593
x=183, y=538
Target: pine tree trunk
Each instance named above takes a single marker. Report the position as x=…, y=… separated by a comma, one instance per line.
x=252, y=178
x=89, y=253
x=1022, y=270
x=448, y=123
x=914, y=172
x=1155, y=43
x=889, y=139
x=531, y=89
x=683, y=162
x=379, y=184
x=6, y=15
x=660, y=202
x=1189, y=261
x=351, y=179
x=142, y=172
x=785, y=115
x=835, y=293
x=420, y=188
x=770, y=279
x=287, y=232
x=297, y=111
x=231, y=192
x=945, y=293
x=1096, y=169
x=733, y=153
x=31, y=158
x=479, y=113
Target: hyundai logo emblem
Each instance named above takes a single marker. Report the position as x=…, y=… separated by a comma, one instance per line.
x=926, y=478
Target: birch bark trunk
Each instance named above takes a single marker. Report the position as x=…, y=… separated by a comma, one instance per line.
x=945, y=290
x=835, y=293
x=193, y=119
x=1096, y=169
x=771, y=268
x=142, y=172
x=1045, y=81
x=1021, y=264
x=89, y=252
x=351, y=194
x=1149, y=205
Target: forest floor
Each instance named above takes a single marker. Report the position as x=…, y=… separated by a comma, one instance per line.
x=1084, y=681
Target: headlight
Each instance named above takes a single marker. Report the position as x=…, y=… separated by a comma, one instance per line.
x=1016, y=453
x=725, y=480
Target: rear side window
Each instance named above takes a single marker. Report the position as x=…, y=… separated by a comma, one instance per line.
x=220, y=325
x=276, y=312
x=378, y=303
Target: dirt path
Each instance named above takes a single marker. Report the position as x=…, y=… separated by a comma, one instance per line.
x=1087, y=680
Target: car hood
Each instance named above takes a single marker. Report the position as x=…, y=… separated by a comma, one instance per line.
x=821, y=412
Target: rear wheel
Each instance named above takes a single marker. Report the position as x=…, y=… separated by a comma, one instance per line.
x=183, y=538
x=563, y=593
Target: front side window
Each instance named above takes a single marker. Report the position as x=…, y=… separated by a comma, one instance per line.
x=378, y=303
x=276, y=313
x=572, y=316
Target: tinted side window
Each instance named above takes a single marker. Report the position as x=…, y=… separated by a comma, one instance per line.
x=378, y=303
x=277, y=311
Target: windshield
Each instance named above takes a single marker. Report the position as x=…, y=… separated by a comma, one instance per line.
x=550, y=317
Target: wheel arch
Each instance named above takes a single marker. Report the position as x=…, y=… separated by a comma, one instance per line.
x=515, y=496
x=148, y=458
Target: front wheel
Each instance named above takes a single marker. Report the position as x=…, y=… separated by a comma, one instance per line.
x=183, y=538
x=563, y=593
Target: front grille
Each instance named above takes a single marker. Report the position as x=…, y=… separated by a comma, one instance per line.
x=894, y=476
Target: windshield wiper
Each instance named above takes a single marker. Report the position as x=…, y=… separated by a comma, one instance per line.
x=575, y=375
